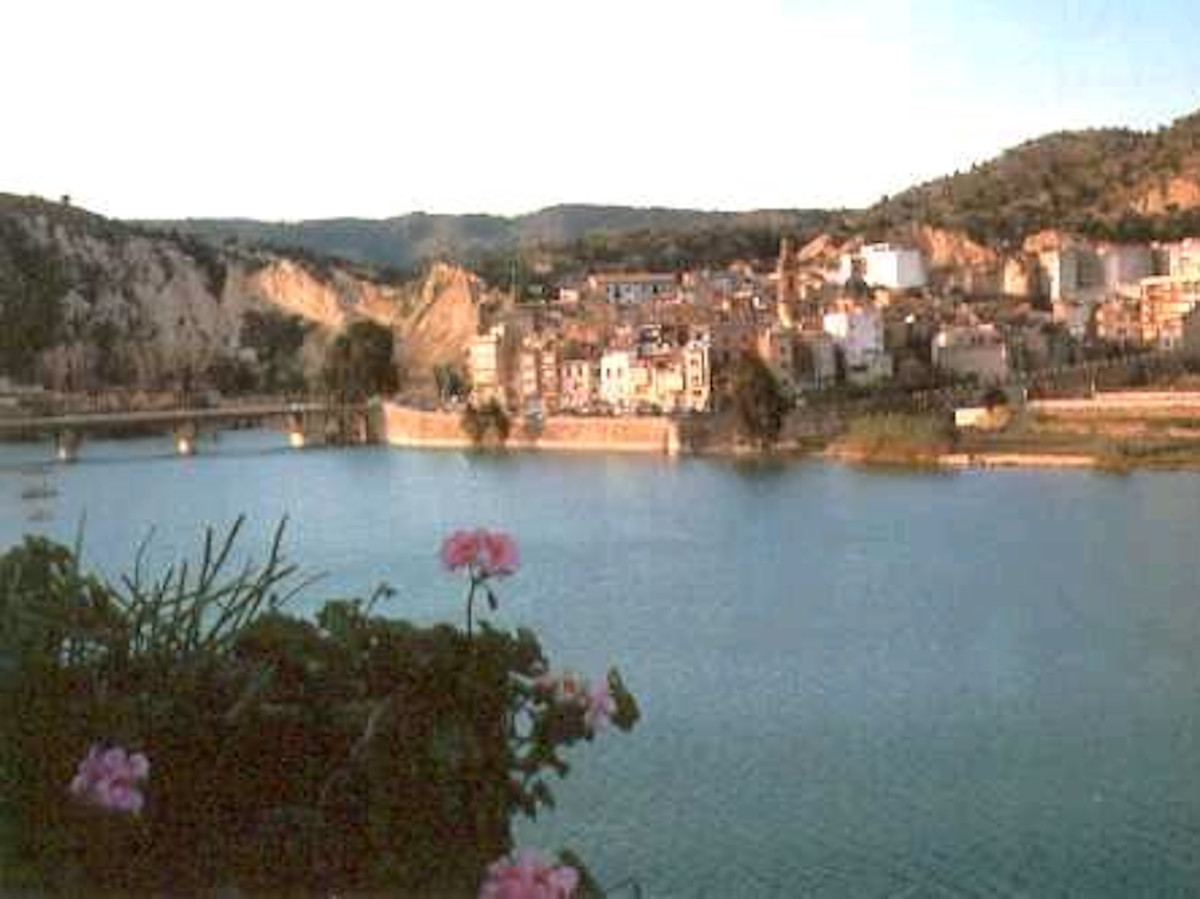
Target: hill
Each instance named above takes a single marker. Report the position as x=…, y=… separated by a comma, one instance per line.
x=1116, y=184
x=408, y=241
x=89, y=302
x=1111, y=183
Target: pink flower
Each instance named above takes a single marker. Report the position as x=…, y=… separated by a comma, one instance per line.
x=460, y=549
x=565, y=688
x=500, y=557
x=108, y=778
x=493, y=553
x=528, y=877
x=600, y=708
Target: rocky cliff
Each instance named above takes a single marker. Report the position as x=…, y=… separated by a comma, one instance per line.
x=86, y=303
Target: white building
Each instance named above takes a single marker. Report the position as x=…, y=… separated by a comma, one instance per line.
x=1183, y=258
x=697, y=376
x=616, y=379
x=883, y=265
x=858, y=333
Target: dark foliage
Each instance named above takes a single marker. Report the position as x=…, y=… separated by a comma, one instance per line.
x=276, y=339
x=353, y=752
x=33, y=283
x=759, y=400
x=361, y=363
x=486, y=423
x=1087, y=182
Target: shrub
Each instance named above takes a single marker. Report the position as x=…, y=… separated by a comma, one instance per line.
x=271, y=752
x=759, y=400
x=487, y=421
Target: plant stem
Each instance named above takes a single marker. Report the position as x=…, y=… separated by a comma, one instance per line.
x=471, y=604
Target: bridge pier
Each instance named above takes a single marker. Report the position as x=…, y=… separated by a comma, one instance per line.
x=66, y=445
x=297, y=436
x=186, y=433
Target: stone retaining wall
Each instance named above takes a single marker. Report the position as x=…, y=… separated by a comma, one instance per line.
x=403, y=426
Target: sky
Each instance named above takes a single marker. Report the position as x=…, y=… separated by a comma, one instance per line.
x=291, y=109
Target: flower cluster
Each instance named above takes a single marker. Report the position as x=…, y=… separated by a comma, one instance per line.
x=485, y=553
x=109, y=778
x=528, y=876
x=569, y=688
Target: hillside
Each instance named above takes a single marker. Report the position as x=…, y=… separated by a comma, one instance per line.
x=89, y=302
x=408, y=241
x=1114, y=183
x=1109, y=183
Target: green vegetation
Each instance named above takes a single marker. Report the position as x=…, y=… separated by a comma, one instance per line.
x=33, y=283
x=485, y=422
x=360, y=363
x=898, y=438
x=759, y=401
x=276, y=339
x=451, y=381
x=554, y=239
x=350, y=753
x=1081, y=181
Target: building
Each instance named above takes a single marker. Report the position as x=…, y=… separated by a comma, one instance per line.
x=538, y=376
x=1125, y=265
x=1060, y=273
x=1118, y=321
x=815, y=360
x=858, y=333
x=883, y=265
x=579, y=383
x=1165, y=300
x=1191, y=332
x=616, y=380
x=490, y=364
x=787, y=277
x=1183, y=258
x=697, y=374
x=977, y=351
x=634, y=288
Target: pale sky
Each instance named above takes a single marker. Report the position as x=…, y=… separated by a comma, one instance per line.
x=301, y=109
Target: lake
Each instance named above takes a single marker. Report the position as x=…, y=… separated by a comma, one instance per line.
x=853, y=683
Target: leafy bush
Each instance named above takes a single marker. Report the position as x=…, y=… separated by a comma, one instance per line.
x=350, y=752
x=760, y=401
x=486, y=421
x=360, y=363
x=33, y=282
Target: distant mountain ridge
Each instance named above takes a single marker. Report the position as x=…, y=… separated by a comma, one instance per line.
x=1113, y=183
x=408, y=240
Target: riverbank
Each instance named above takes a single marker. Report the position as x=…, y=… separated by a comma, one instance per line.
x=1111, y=432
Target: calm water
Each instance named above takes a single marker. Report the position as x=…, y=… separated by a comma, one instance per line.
x=853, y=684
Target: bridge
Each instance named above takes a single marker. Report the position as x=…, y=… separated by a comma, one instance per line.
x=305, y=422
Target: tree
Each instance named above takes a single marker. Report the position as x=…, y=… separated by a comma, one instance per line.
x=759, y=400
x=451, y=382
x=360, y=363
x=33, y=281
x=276, y=340
x=479, y=421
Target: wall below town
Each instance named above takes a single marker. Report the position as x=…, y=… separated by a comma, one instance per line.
x=1123, y=403
x=403, y=426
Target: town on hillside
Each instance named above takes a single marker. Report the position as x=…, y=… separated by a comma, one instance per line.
x=854, y=317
